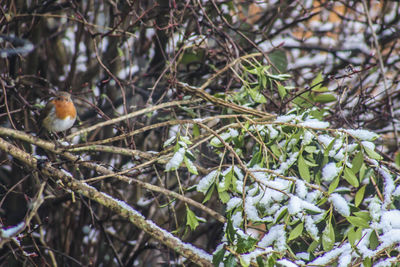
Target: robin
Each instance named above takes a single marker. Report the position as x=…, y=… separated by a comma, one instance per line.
x=59, y=114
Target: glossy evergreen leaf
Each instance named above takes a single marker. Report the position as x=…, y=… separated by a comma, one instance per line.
x=303, y=169
x=349, y=176
x=296, y=232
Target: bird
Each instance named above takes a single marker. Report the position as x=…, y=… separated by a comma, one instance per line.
x=59, y=114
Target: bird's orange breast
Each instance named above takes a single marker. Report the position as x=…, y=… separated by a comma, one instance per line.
x=64, y=109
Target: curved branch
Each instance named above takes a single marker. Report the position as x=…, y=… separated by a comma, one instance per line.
x=194, y=254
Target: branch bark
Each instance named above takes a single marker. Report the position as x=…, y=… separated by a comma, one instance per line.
x=121, y=208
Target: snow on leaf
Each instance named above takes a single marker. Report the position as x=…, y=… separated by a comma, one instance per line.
x=285, y=118
x=11, y=231
x=314, y=123
x=206, y=182
x=340, y=204
x=176, y=160
x=363, y=135
x=330, y=171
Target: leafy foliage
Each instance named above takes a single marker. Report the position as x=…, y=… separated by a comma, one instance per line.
x=314, y=189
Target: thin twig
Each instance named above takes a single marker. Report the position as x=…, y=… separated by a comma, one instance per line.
x=382, y=69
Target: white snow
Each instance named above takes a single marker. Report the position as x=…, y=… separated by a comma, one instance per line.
x=325, y=139
x=284, y=166
x=251, y=210
x=176, y=160
x=388, y=239
x=340, y=204
x=233, y=203
x=307, y=138
x=388, y=262
x=294, y=205
x=326, y=258
x=272, y=132
x=363, y=135
x=301, y=189
x=311, y=227
x=368, y=144
x=396, y=192
x=275, y=234
x=285, y=262
x=285, y=118
x=390, y=219
x=237, y=219
x=314, y=123
x=345, y=259
x=248, y=257
x=389, y=185
x=375, y=209
x=12, y=231
x=205, y=183
x=330, y=171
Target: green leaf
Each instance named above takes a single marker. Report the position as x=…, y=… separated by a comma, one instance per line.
x=334, y=185
x=245, y=244
x=311, y=248
x=279, y=77
x=190, y=166
x=230, y=231
x=281, y=215
x=354, y=235
x=282, y=91
x=252, y=71
x=373, y=240
x=218, y=257
x=367, y=262
x=275, y=149
x=260, y=261
x=357, y=221
x=224, y=196
x=296, y=231
x=363, y=169
x=310, y=149
x=196, y=130
x=243, y=263
x=363, y=214
x=257, y=158
x=279, y=60
x=322, y=89
x=357, y=162
x=229, y=178
x=230, y=261
x=372, y=154
x=302, y=102
x=397, y=159
x=191, y=219
x=192, y=57
x=209, y=194
x=324, y=98
x=317, y=82
x=303, y=169
x=263, y=81
x=350, y=177
x=329, y=148
x=176, y=160
x=351, y=235
x=328, y=237
x=121, y=53
x=257, y=96
x=169, y=141
x=359, y=196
